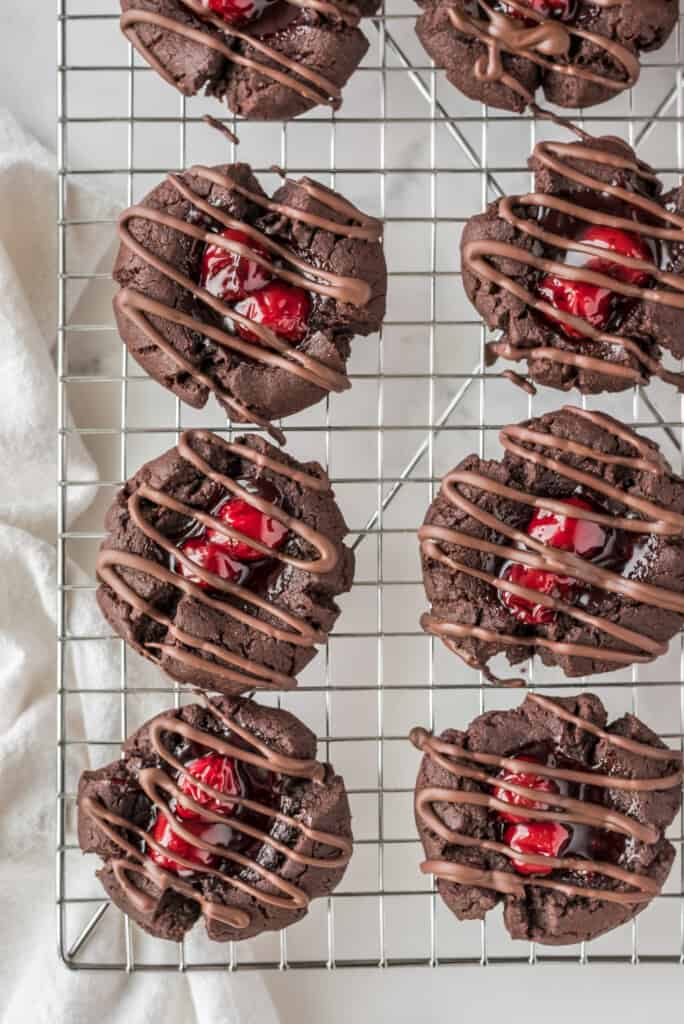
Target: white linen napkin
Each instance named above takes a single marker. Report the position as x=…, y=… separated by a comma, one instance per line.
x=35, y=985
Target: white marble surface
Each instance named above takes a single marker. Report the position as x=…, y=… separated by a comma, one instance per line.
x=405, y=406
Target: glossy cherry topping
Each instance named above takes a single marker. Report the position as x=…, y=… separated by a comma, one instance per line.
x=579, y=298
x=591, y=302
x=237, y=11
x=230, y=558
x=582, y=537
x=164, y=835
x=215, y=770
x=242, y=516
x=213, y=557
x=282, y=307
x=625, y=243
x=230, y=276
x=530, y=781
x=563, y=10
x=527, y=611
x=545, y=838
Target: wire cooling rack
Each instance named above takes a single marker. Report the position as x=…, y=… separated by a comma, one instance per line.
x=408, y=148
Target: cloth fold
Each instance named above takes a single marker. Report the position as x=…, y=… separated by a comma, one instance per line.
x=34, y=983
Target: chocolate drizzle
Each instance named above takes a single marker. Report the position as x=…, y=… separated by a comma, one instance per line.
x=653, y=520
x=270, y=350
x=231, y=671
x=480, y=767
x=669, y=291
x=546, y=43
x=158, y=783
x=279, y=68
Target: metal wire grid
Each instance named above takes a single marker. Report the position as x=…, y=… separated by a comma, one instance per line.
x=371, y=684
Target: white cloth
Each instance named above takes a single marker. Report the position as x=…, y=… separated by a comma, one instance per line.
x=36, y=986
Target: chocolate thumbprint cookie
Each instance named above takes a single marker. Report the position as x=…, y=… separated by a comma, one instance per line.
x=583, y=278
x=551, y=811
x=267, y=59
x=222, y=562
x=579, y=52
x=226, y=291
x=570, y=547
x=218, y=811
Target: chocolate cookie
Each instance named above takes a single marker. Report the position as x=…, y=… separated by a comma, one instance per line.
x=224, y=290
x=583, y=277
x=578, y=53
x=219, y=811
x=222, y=563
x=551, y=810
x=571, y=546
x=268, y=59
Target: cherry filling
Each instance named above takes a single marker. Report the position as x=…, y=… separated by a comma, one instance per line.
x=530, y=781
x=282, y=307
x=562, y=10
x=222, y=774
x=164, y=835
x=238, y=11
x=581, y=536
x=230, y=776
x=549, y=838
x=229, y=275
x=595, y=543
x=227, y=557
x=212, y=557
x=544, y=838
x=217, y=771
x=250, y=289
x=591, y=302
x=560, y=587
x=249, y=520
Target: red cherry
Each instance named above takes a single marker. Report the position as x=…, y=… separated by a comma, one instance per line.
x=212, y=557
x=586, y=301
x=217, y=771
x=591, y=302
x=554, y=8
x=625, y=244
x=581, y=536
x=544, y=582
x=539, y=837
x=561, y=9
x=230, y=276
x=250, y=521
x=234, y=11
x=164, y=835
x=530, y=781
x=282, y=307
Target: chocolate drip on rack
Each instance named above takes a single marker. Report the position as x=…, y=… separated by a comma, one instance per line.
x=481, y=768
x=657, y=521
x=547, y=43
x=238, y=672
x=279, y=68
x=477, y=256
x=273, y=350
x=159, y=782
